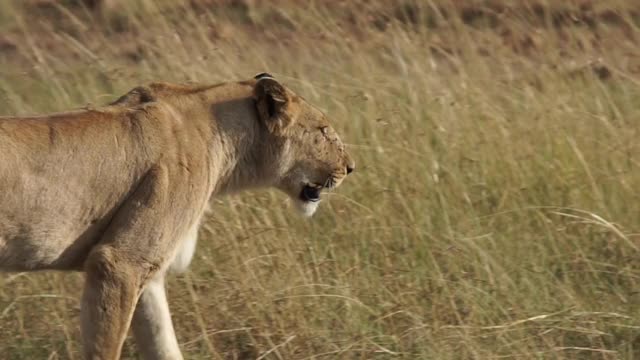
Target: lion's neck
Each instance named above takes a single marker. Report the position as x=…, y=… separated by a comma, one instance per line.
x=241, y=158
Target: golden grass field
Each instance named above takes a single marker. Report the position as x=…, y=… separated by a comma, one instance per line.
x=494, y=214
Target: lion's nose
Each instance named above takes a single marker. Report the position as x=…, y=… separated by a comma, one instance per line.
x=350, y=163
x=351, y=166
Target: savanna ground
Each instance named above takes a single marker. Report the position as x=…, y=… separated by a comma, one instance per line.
x=494, y=213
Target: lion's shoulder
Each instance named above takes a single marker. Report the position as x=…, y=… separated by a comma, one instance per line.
x=166, y=91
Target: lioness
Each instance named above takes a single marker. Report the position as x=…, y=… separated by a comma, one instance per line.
x=119, y=191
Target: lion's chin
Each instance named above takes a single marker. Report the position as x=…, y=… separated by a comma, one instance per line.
x=306, y=208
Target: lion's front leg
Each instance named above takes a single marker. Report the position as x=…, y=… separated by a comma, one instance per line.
x=110, y=295
x=152, y=325
x=133, y=249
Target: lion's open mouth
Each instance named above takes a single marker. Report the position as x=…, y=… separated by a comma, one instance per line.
x=311, y=193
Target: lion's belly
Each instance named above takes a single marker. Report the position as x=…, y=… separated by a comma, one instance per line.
x=50, y=222
x=40, y=246
x=61, y=179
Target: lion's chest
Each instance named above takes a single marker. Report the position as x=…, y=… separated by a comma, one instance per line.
x=185, y=250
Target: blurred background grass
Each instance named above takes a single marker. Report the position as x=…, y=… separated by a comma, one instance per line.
x=494, y=213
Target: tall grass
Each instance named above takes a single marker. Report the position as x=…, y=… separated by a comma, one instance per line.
x=494, y=212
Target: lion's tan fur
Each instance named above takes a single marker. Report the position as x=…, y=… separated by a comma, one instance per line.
x=119, y=191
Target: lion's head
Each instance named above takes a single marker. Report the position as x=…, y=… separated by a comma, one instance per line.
x=311, y=158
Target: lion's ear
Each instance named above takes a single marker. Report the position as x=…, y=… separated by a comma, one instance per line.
x=271, y=101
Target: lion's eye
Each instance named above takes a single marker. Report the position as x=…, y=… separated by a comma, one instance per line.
x=325, y=130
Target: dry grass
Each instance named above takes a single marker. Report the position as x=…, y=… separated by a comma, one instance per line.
x=494, y=213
